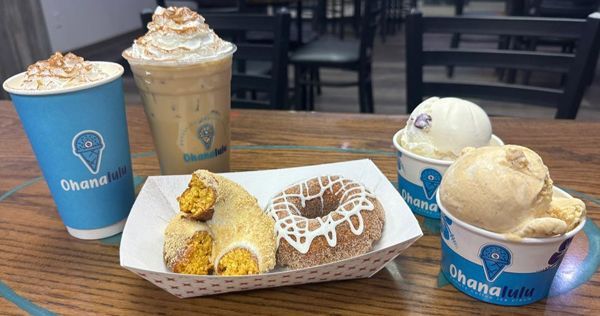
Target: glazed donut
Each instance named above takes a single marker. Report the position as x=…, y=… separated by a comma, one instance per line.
x=325, y=219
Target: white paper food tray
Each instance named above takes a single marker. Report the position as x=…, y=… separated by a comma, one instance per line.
x=142, y=241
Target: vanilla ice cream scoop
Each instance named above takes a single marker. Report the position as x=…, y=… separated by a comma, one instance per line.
x=440, y=128
x=179, y=35
x=507, y=189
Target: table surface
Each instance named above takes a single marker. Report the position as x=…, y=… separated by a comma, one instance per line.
x=44, y=269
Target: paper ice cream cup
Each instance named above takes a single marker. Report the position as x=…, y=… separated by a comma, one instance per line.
x=419, y=177
x=79, y=137
x=497, y=270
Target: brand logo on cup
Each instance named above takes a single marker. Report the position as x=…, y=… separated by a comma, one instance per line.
x=446, y=231
x=206, y=134
x=495, y=259
x=399, y=162
x=431, y=179
x=88, y=146
x=562, y=249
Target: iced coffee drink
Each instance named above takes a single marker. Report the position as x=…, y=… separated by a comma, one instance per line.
x=183, y=71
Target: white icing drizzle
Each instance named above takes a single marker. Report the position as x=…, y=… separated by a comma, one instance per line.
x=292, y=226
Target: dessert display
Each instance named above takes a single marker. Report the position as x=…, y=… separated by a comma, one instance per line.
x=220, y=230
x=60, y=71
x=355, y=218
x=325, y=219
x=507, y=190
x=504, y=227
x=440, y=128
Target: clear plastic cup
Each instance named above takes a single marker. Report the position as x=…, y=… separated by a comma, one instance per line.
x=187, y=106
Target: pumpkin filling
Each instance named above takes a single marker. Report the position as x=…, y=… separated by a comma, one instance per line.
x=238, y=261
x=198, y=199
x=197, y=255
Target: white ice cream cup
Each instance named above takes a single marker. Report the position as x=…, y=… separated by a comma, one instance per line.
x=419, y=177
x=494, y=269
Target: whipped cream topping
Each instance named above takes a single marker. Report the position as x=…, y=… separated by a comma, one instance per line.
x=60, y=71
x=177, y=34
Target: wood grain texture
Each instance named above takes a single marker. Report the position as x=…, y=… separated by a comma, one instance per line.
x=42, y=263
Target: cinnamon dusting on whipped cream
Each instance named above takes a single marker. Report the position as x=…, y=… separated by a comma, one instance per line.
x=177, y=34
x=60, y=71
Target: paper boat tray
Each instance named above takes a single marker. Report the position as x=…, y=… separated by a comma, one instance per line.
x=142, y=242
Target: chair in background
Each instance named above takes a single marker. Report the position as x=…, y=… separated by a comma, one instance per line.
x=574, y=9
x=216, y=6
x=234, y=27
x=301, y=32
x=328, y=52
x=391, y=18
x=577, y=67
x=334, y=15
x=512, y=8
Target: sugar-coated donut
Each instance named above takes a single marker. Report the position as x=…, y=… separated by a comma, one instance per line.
x=188, y=246
x=325, y=219
x=198, y=200
x=238, y=235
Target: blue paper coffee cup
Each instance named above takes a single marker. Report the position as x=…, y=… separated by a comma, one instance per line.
x=495, y=269
x=79, y=137
x=419, y=177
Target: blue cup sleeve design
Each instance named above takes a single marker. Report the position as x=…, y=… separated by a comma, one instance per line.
x=88, y=146
x=431, y=179
x=495, y=259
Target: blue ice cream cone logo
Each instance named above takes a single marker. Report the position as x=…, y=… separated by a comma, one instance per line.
x=206, y=134
x=400, y=165
x=431, y=181
x=495, y=259
x=88, y=146
x=556, y=258
x=446, y=231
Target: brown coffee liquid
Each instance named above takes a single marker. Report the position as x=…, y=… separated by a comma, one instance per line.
x=188, y=107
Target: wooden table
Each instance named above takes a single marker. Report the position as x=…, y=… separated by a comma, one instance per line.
x=44, y=269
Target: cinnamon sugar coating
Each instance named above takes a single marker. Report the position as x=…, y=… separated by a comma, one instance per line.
x=242, y=235
x=60, y=71
x=325, y=219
